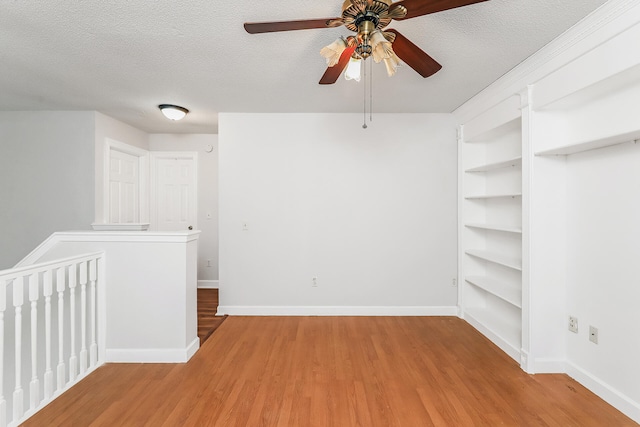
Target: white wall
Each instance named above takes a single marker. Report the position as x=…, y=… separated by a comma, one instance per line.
x=46, y=177
x=107, y=127
x=603, y=235
x=149, y=291
x=370, y=212
x=207, y=193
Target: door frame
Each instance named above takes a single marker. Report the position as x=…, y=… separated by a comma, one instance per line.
x=143, y=177
x=158, y=155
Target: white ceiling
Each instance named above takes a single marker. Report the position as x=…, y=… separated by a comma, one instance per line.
x=123, y=58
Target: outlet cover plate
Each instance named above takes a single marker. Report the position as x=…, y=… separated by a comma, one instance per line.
x=573, y=324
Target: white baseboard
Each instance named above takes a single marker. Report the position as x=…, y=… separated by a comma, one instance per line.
x=549, y=366
x=260, y=310
x=153, y=355
x=207, y=284
x=609, y=394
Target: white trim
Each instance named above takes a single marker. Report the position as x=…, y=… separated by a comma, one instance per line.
x=155, y=355
x=549, y=366
x=612, y=396
x=208, y=284
x=193, y=348
x=593, y=30
x=143, y=177
x=265, y=310
x=107, y=236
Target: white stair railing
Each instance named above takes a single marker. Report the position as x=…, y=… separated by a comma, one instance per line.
x=29, y=341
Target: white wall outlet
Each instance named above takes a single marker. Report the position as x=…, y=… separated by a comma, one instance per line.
x=245, y=226
x=454, y=282
x=208, y=263
x=314, y=282
x=573, y=324
x=593, y=334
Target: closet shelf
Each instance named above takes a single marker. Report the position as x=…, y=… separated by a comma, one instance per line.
x=496, y=258
x=511, y=163
x=504, y=291
x=494, y=196
x=580, y=146
x=495, y=227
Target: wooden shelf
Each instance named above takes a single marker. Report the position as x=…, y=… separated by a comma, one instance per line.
x=496, y=258
x=504, y=334
x=495, y=227
x=504, y=291
x=494, y=196
x=578, y=147
x=511, y=163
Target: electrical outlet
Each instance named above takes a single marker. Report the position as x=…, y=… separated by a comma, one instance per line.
x=454, y=282
x=314, y=282
x=573, y=324
x=593, y=334
x=208, y=263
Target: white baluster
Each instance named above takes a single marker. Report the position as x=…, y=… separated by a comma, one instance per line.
x=60, y=282
x=48, y=372
x=73, y=359
x=34, y=385
x=18, y=399
x=93, y=348
x=3, y=308
x=83, y=317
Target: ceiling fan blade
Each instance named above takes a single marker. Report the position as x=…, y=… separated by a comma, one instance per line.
x=425, y=7
x=331, y=75
x=413, y=56
x=307, y=24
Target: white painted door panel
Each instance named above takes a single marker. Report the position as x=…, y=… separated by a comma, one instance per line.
x=123, y=188
x=175, y=198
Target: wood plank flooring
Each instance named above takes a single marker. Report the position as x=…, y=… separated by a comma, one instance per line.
x=332, y=371
x=208, y=322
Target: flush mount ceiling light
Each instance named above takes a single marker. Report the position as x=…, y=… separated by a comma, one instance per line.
x=173, y=112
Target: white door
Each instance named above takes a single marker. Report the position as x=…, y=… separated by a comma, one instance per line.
x=175, y=191
x=123, y=188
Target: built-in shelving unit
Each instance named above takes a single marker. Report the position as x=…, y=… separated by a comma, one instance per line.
x=506, y=335
x=506, y=291
x=491, y=225
x=495, y=227
x=580, y=146
x=496, y=258
x=494, y=196
x=511, y=163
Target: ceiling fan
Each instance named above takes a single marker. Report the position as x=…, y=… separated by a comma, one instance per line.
x=368, y=18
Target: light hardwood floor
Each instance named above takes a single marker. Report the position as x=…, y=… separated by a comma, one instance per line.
x=332, y=371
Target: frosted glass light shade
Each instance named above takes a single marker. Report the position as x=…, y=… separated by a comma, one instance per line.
x=353, y=69
x=333, y=51
x=173, y=112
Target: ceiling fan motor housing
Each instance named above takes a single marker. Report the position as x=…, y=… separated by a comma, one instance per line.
x=363, y=17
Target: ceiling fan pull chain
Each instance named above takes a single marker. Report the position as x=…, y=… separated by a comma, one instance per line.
x=364, y=98
x=371, y=91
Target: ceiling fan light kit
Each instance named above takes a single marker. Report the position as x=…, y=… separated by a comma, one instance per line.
x=333, y=51
x=368, y=18
x=353, y=69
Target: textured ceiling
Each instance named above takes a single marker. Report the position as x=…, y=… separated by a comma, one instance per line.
x=123, y=58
